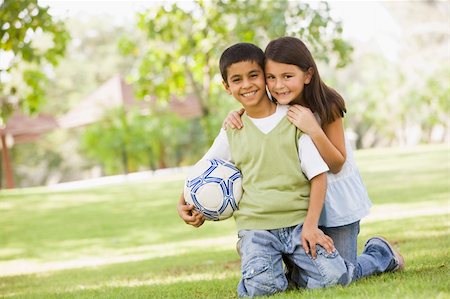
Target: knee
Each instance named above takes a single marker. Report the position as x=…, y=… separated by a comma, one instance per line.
x=259, y=278
x=332, y=268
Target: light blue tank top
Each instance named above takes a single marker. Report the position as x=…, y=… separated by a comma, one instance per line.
x=347, y=200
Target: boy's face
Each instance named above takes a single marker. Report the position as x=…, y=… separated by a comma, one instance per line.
x=246, y=83
x=286, y=82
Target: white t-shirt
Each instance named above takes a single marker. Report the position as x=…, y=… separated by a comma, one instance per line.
x=311, y=163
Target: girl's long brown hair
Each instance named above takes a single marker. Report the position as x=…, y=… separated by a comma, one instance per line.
x=321, y=99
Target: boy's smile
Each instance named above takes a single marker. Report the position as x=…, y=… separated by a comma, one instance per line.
x=249, y=94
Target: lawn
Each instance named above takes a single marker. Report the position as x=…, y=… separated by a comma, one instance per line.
x=126, y=240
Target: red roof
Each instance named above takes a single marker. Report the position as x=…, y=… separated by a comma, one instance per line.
x=114, y=93
x=26, y=128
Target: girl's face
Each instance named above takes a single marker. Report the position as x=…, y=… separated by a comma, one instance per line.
x=286, y=81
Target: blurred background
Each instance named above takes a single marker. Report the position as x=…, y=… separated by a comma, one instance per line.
x=101, y=88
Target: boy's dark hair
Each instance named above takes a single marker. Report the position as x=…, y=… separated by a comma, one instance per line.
x=237, y=53
x=319, y=97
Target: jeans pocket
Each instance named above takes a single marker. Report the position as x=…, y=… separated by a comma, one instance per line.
x=257, y=274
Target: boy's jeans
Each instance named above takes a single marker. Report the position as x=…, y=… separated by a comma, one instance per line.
x=262, y=266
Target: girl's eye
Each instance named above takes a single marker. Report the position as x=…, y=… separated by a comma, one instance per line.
x=269, y=77
x=235, y=80
x=288, y=76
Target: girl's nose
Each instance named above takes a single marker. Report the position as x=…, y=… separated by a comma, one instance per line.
x=278, y=84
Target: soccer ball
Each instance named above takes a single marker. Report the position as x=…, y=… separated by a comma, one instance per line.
x=214, y=187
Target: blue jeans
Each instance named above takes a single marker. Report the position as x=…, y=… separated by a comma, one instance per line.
x=345, y=240
x=376, y=257
x=262, y=253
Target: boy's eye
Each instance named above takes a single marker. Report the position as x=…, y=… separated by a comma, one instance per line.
x=288, y=76
x=269, y=77
x=235, y=80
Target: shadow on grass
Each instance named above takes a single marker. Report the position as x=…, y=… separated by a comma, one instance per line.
x=149, y=274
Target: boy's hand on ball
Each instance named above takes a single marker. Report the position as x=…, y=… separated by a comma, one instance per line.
x=199, y=218
x=188, y=214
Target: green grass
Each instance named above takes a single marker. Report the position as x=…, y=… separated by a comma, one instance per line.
x=126, y=240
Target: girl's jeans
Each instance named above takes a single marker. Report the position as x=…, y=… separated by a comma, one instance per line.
x=262, y=253
x=376, y=257
x=345, y=240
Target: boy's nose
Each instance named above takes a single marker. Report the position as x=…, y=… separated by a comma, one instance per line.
x=246, y=83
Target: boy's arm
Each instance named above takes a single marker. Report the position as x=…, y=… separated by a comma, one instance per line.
x=311, y=234
x=315, y=168
x=219, y=150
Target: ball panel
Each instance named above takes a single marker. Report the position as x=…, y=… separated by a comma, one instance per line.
x=210, y=196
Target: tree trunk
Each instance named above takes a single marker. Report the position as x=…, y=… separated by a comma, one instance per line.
x=162, y=156
x=124, y=159
x=6, y=163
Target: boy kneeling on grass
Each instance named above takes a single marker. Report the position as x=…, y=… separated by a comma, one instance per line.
x=280, y=207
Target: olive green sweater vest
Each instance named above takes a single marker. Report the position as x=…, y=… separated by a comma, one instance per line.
x=276, y=192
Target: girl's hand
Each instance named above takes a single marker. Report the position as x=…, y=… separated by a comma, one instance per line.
x=303, y=119
x=188, y=214
x=311, y=236
x=234, y=120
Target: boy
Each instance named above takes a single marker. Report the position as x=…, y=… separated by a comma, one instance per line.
x=280, y=208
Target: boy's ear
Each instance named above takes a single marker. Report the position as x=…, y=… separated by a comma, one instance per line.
x=226, y=87
x=309, y=75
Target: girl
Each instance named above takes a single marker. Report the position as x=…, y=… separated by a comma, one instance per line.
x=292, y=78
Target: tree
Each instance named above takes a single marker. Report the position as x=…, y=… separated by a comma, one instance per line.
x=75, y=77
x=186, y=39
x=402, y=98
x=30, y=41
x=125, y=141
x=95, y=39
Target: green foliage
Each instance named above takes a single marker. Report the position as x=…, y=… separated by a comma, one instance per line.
x=54, y=157
x=185, y=42
x=429, y=105
x=76, y=76
x=91, y=59
x=31, y=40
x=125, y=141
x=384, y=105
